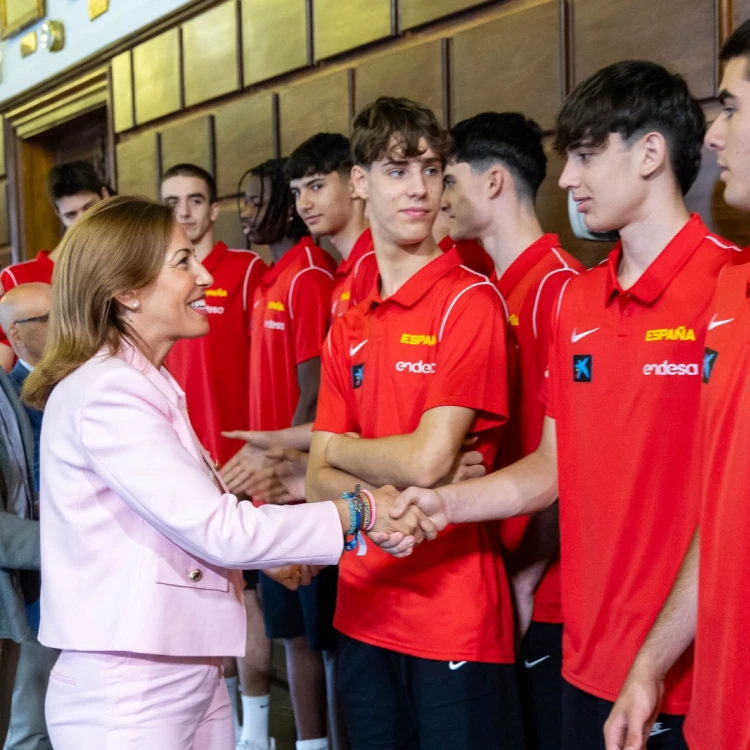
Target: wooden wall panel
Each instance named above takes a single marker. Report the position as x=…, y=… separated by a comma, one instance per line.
x=211, y=58
x=137, y=165
x=244, y=137
x=228, y=228
x=319, y=104
x=416, y=12
x=38, y=223
x=340, y=27
x=740, y=11
x=512, y=63
x=156, y=68
x=189, y=141
x=416, y=73
x=274, y=38
x=552, y=207
x=4, y=224
x=679, y=34
x=122, y=91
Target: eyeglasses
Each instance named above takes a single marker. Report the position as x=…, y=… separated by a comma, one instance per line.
x=37, y=319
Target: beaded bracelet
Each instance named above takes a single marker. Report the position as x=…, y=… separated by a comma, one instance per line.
x=361, y=513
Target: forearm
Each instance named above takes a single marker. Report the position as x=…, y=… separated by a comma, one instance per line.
x=674, y=629
x=296, y=437
x=540, y=543
x=326, y=483
x=527, y=486
x=399, y=460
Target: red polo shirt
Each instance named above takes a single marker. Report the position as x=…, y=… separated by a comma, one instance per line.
x=624, y=383
x=289, y=323
x=355, y=276
x=213, y=370
x=719, y=715
x=38, y=269
x=438, y=341
x=531, y=286
x=472, y=255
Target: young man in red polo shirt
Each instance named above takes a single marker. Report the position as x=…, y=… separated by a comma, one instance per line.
x=290, y=316
x=213, y=371
x=414, y=369
x=73, y=188
x=709, y=599
x=622, y=393
x=496, y=166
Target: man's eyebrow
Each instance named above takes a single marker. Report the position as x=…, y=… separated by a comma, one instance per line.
x=724, y=95
x=197, y=195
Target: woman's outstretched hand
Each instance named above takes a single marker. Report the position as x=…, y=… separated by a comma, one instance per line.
x=399, y=536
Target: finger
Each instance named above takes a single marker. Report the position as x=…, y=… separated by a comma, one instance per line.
x=306, y=576
x=472, y=458
x=614, y=731
x=408, y=497
x=405, y=548
x=470, y=472
x=470, y=440
x=276, y=452
x=237, y=483
x=237, y=435
x=427, y=526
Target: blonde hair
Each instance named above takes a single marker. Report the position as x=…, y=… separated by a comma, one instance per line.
x=118, y=246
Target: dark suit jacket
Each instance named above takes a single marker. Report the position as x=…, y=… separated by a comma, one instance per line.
x=17, y=375
x=19, y=537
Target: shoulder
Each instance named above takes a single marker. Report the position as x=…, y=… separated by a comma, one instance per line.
x=465, y=289
x=244, y=258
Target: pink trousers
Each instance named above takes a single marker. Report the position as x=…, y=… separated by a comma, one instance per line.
x=125, y=701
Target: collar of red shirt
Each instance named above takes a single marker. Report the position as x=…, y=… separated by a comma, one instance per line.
x=361, y=247
x=526, y=261
x=420, y=283
x=218, y=251
x=665, y=267
x=286, y=260
x=42, y=257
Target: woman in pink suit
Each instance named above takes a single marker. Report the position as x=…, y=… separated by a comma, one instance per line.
x=142, y=544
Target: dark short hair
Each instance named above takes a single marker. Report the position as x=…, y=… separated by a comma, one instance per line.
x=72, y=178
x=276, y=223
x=631, y=98
x=396, y=125
x=505, y=137
x=738, y=44
x=193, y=170
x=324, y=153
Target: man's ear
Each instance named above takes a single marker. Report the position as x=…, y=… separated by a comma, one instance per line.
x=215, y=211
x=105, y=193
x=497, y=179
x=359, y=182
x=655, y=154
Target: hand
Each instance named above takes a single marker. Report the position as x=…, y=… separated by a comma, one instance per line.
x=398, y=537
x=430, y=502
x=255, y=438
x=293, y=576
x=291, y=470
x=468, y=465
x=237, y=471
x=265, y=486
x=630, y=721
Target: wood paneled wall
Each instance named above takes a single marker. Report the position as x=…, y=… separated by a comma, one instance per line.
x=250, y=79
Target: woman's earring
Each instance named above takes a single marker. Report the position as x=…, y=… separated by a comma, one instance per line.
x=136, y=305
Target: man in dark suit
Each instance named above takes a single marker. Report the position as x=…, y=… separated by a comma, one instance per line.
x=24, y=312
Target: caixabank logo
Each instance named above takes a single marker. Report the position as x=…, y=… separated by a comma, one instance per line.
x=709, y=362
x=583, y=368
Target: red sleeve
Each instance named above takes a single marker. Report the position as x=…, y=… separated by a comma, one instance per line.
x=309, y=305
x=335, y=412
x=7, y=279
x=549, y=333
x=253, y=275
x=472, y=363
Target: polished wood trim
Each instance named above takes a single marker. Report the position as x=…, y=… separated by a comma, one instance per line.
x=276, y=127
x=14, y=209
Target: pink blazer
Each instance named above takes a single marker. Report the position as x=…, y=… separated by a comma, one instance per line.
x=141, y=550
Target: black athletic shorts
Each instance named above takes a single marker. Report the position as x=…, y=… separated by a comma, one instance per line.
x=308, y=611
x=584, y=716
x=392, y=701
x=540, y=680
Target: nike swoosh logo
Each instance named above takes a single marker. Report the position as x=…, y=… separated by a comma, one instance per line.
x=454, y=665
x=716, y=323
x=531, y=664
x=574, y=337
x=655, y=732
x=354, y=349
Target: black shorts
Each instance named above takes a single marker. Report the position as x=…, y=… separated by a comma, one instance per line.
x=392, y=701
x=251, y=578
x=308, y=611
x=584, y=716
x=540, y=680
